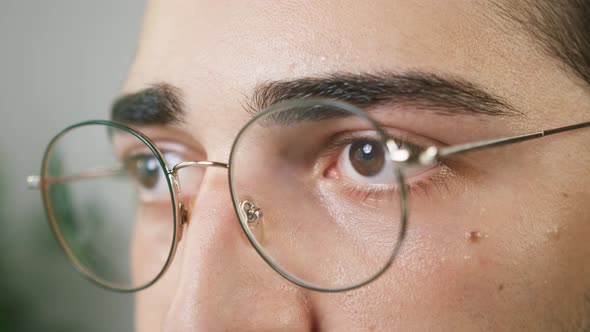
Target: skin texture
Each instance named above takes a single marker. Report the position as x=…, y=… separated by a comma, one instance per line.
x=510, y=249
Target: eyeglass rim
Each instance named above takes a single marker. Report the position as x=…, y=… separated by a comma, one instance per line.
x=432, y=154
x=171, y=174
x=177, y=227
x=389, y=144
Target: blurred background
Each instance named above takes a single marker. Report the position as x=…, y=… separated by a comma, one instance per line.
x=61, y=62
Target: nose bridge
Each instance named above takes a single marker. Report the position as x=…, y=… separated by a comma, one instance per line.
x=223, y=282
x=192, y=163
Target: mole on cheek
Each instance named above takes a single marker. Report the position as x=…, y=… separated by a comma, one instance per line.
x=474, y=236
x=554, y=233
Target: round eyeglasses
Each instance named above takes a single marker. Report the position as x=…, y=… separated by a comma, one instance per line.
x=118, y=204
x=317, y=185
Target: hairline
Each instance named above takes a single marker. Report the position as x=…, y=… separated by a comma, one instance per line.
x=538, y=20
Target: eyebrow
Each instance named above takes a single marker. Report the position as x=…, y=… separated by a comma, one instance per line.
x=162, y=103
x=427, y=91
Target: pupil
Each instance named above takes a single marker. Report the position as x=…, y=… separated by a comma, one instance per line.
x=147, y=172
x=366, y=157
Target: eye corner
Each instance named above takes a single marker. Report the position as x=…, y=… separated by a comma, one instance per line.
x=332, y=172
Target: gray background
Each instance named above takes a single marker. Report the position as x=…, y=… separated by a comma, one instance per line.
x=61, y=61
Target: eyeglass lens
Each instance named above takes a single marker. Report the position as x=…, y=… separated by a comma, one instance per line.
x=106, y=206
x=327, y=192
x=313, y=185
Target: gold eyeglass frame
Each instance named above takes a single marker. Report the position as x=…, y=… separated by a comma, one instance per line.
x=401, y=157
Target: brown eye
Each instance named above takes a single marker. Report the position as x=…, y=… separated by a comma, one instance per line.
x=367, y=157
x=145, y=169
x=151, y=178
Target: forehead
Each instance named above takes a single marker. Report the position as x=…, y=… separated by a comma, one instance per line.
x=216, y=49
x=276, y=38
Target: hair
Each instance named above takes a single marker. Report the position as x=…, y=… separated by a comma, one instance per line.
x=561, y=27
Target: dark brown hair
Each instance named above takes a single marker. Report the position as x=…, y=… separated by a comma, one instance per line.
x=562, y=27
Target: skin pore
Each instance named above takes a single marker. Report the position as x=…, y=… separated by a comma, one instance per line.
x=504, y=247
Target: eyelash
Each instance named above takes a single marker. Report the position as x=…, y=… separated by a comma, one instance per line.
x=416, y=187
x=335, y=146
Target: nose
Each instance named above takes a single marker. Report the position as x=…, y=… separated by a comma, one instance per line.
x=223, y=283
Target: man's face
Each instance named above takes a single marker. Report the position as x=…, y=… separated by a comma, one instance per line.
x=502, y=244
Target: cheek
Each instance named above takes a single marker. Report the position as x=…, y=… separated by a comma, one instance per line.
x=519, y=259
x=151, y=244
x=150, y=248
x=517, y=262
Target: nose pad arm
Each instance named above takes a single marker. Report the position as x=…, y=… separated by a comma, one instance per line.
x=252, y=212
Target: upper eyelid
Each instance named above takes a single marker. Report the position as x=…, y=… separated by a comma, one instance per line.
x=164, y=138
x=404, y=140
x=125, y=151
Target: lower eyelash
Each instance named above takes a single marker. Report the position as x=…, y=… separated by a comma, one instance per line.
x=415, y=188
x=388, y=194
x=375, y=194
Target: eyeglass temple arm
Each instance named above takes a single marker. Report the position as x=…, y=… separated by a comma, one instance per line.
x=36, y=182
x=428, y=156
x=433, y=153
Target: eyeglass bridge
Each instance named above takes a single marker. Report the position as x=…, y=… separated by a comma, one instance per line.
x=252, y=212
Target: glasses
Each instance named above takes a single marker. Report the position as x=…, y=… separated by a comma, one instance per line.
x=321, y=190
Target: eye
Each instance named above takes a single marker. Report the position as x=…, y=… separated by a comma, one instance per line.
x=150, y=176
x=366, y=161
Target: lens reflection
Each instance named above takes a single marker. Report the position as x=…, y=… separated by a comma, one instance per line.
x=102, y=207
x=329, y=196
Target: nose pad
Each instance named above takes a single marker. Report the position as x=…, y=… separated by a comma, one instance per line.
x=253, y=215
x=184, y=216
x=222, y=282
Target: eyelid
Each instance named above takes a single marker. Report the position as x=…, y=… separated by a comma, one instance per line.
x=129, y=150
x=176, y=148
x=406, y=140
x=165, y=138
x=416, y=142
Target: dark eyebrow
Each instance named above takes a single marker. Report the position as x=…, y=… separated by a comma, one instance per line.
x=159, y=104
x=162, y=103
x=426, y=91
